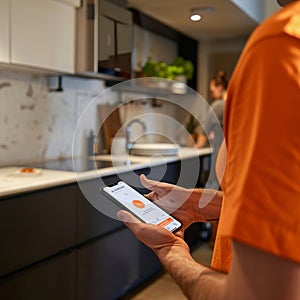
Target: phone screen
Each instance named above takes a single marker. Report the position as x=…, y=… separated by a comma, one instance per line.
x=143, y=208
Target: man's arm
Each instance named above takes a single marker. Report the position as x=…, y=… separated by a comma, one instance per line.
x=195, y=280
x=254, y=274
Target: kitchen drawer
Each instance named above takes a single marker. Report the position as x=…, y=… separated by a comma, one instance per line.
x=52, y=279
x=36, y=225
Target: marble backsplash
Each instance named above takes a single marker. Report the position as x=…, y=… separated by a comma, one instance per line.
x=36, y=124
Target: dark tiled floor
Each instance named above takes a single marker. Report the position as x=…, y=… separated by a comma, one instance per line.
x=165, y=287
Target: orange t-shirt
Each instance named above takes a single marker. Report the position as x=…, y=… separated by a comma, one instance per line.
x=261, y=204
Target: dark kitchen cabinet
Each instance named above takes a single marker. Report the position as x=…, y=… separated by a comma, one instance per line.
x=57, y=245
x=52, y=279
x=91, y=222
x=36, y=225
x=113, y=265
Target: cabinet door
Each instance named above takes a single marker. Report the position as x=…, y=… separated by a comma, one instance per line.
x=124, y=35
x=106, y=39
x=43, y=34
x=52, y=279
x=111, y=266
x=4, y=30
x=35, y=226
x=190, y=171
x=92, y=222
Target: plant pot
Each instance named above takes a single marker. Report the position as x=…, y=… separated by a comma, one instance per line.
x=181, y=78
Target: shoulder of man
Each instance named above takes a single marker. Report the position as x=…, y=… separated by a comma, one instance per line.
x=284, y=21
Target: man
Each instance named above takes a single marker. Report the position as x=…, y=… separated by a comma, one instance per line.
x=257, y=252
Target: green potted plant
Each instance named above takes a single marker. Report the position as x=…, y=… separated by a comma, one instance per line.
x=149, y=69
x=182, y=67
x=179, y=67
x=155, y=70
x=180, y=70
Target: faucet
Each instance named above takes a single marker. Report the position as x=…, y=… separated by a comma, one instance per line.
x=128, y=131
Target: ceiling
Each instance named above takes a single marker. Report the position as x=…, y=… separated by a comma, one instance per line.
x=227, y=21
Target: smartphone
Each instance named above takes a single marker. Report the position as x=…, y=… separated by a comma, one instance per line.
x=145, y=210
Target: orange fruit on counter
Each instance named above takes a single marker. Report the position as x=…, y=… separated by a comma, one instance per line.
x=27, y=170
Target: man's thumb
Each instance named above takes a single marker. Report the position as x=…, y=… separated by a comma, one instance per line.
x=149, y=184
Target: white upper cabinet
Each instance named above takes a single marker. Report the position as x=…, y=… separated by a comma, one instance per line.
x=43, y=34
x=4, y=30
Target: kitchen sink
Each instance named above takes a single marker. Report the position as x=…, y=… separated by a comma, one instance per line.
x=123, y=160
x=150, y=149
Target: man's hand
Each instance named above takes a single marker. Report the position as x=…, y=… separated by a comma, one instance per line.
x=159, y=239
x=186, y=205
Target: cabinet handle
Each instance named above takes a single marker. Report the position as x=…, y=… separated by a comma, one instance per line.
x=109, y=40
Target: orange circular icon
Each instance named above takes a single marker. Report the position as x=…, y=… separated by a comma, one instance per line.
x=138, y=203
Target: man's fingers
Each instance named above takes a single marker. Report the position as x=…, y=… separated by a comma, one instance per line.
x=127, y=217
x=134, y=224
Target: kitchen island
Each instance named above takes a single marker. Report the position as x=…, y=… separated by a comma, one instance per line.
x=56, y=245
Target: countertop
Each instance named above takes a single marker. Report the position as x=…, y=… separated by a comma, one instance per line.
x=11, y=182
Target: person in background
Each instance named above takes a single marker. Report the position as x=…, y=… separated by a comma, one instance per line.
x=213, y=126
x=218, y=93
x=256, y=255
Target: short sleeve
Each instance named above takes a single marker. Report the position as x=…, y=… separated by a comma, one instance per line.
x=262, y=185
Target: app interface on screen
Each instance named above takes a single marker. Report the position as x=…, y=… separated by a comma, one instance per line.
x=141, y=206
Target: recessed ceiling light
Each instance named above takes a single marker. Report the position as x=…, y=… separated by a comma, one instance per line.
x=195, y=17
x=197, y=12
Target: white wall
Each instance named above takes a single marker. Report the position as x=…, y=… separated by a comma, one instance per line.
x=270, y=6
x=254, y=8
x=258, y=10
x=208, y=47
